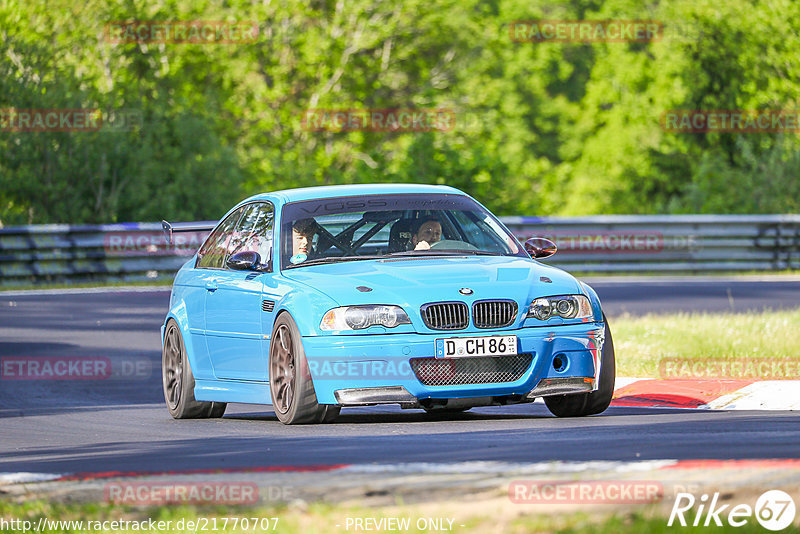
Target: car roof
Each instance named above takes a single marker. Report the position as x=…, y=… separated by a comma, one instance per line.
x=333, y=191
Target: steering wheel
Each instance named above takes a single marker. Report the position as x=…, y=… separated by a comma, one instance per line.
x=453, y=244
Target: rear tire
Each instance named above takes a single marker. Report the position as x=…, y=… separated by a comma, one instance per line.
x=178, y=381
x=291, y=388
x=594, y=402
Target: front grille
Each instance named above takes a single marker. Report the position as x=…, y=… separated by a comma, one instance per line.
x=494, y=313
x=445, y=315
x=462, y=371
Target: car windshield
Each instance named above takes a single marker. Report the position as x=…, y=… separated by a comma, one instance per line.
x=374, y=227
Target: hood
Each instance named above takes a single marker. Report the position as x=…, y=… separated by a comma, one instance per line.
x=412, y=282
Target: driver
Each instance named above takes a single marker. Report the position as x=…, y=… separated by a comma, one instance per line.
x=303, y=231
x=426, y=232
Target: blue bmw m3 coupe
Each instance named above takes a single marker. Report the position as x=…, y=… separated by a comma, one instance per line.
x=321, y=298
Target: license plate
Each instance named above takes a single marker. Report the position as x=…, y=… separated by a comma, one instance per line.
x=466, y=347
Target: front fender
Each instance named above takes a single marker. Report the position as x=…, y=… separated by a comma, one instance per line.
x=597, y=308
x=306, y=305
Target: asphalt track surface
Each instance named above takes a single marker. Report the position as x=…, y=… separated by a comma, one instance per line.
x=120, y=423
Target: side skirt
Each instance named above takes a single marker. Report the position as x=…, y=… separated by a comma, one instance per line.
x=232, y=391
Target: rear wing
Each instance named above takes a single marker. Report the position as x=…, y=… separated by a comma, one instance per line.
x=169, y=228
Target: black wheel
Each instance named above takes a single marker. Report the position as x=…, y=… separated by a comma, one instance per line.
x=594, y=402
x=178, y=381
x=290, y=384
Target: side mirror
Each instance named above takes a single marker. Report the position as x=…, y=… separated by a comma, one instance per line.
x=539, y=247
x=244, y=261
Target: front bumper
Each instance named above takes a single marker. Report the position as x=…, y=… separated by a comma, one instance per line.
x=377, y=369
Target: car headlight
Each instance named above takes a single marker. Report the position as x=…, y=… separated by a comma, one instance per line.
x=566, y=306
x=359, y=317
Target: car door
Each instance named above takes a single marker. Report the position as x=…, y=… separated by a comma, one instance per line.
x=234, y=332
x=202, y=277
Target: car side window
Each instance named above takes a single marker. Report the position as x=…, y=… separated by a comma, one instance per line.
x=254, y=231
x=212, y=253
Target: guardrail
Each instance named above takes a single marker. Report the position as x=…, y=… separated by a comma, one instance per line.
x=79, y=253
x=668, y=243
x=619, y=243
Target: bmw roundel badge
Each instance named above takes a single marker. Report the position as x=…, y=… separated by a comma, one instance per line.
x=465, y=291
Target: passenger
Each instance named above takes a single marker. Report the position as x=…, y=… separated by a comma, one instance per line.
x=427, y=232
x=303, y=231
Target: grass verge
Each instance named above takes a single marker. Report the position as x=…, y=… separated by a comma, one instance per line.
x=641, y=343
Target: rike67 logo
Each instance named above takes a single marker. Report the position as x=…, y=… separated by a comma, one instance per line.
x=774, y=510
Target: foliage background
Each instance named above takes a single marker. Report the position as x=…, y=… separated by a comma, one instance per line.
x=543, y=128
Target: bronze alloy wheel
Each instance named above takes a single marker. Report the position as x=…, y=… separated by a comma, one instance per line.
x=173, y=367
x=178, y=380
x=282, y=379
x=294, y=399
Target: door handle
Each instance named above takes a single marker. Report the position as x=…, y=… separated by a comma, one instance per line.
x=211, y=285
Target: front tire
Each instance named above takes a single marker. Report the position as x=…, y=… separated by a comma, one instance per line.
x=594, y=402
x=178, y=381
x=291, y=388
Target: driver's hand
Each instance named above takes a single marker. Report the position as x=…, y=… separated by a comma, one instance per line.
x=422, y=245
